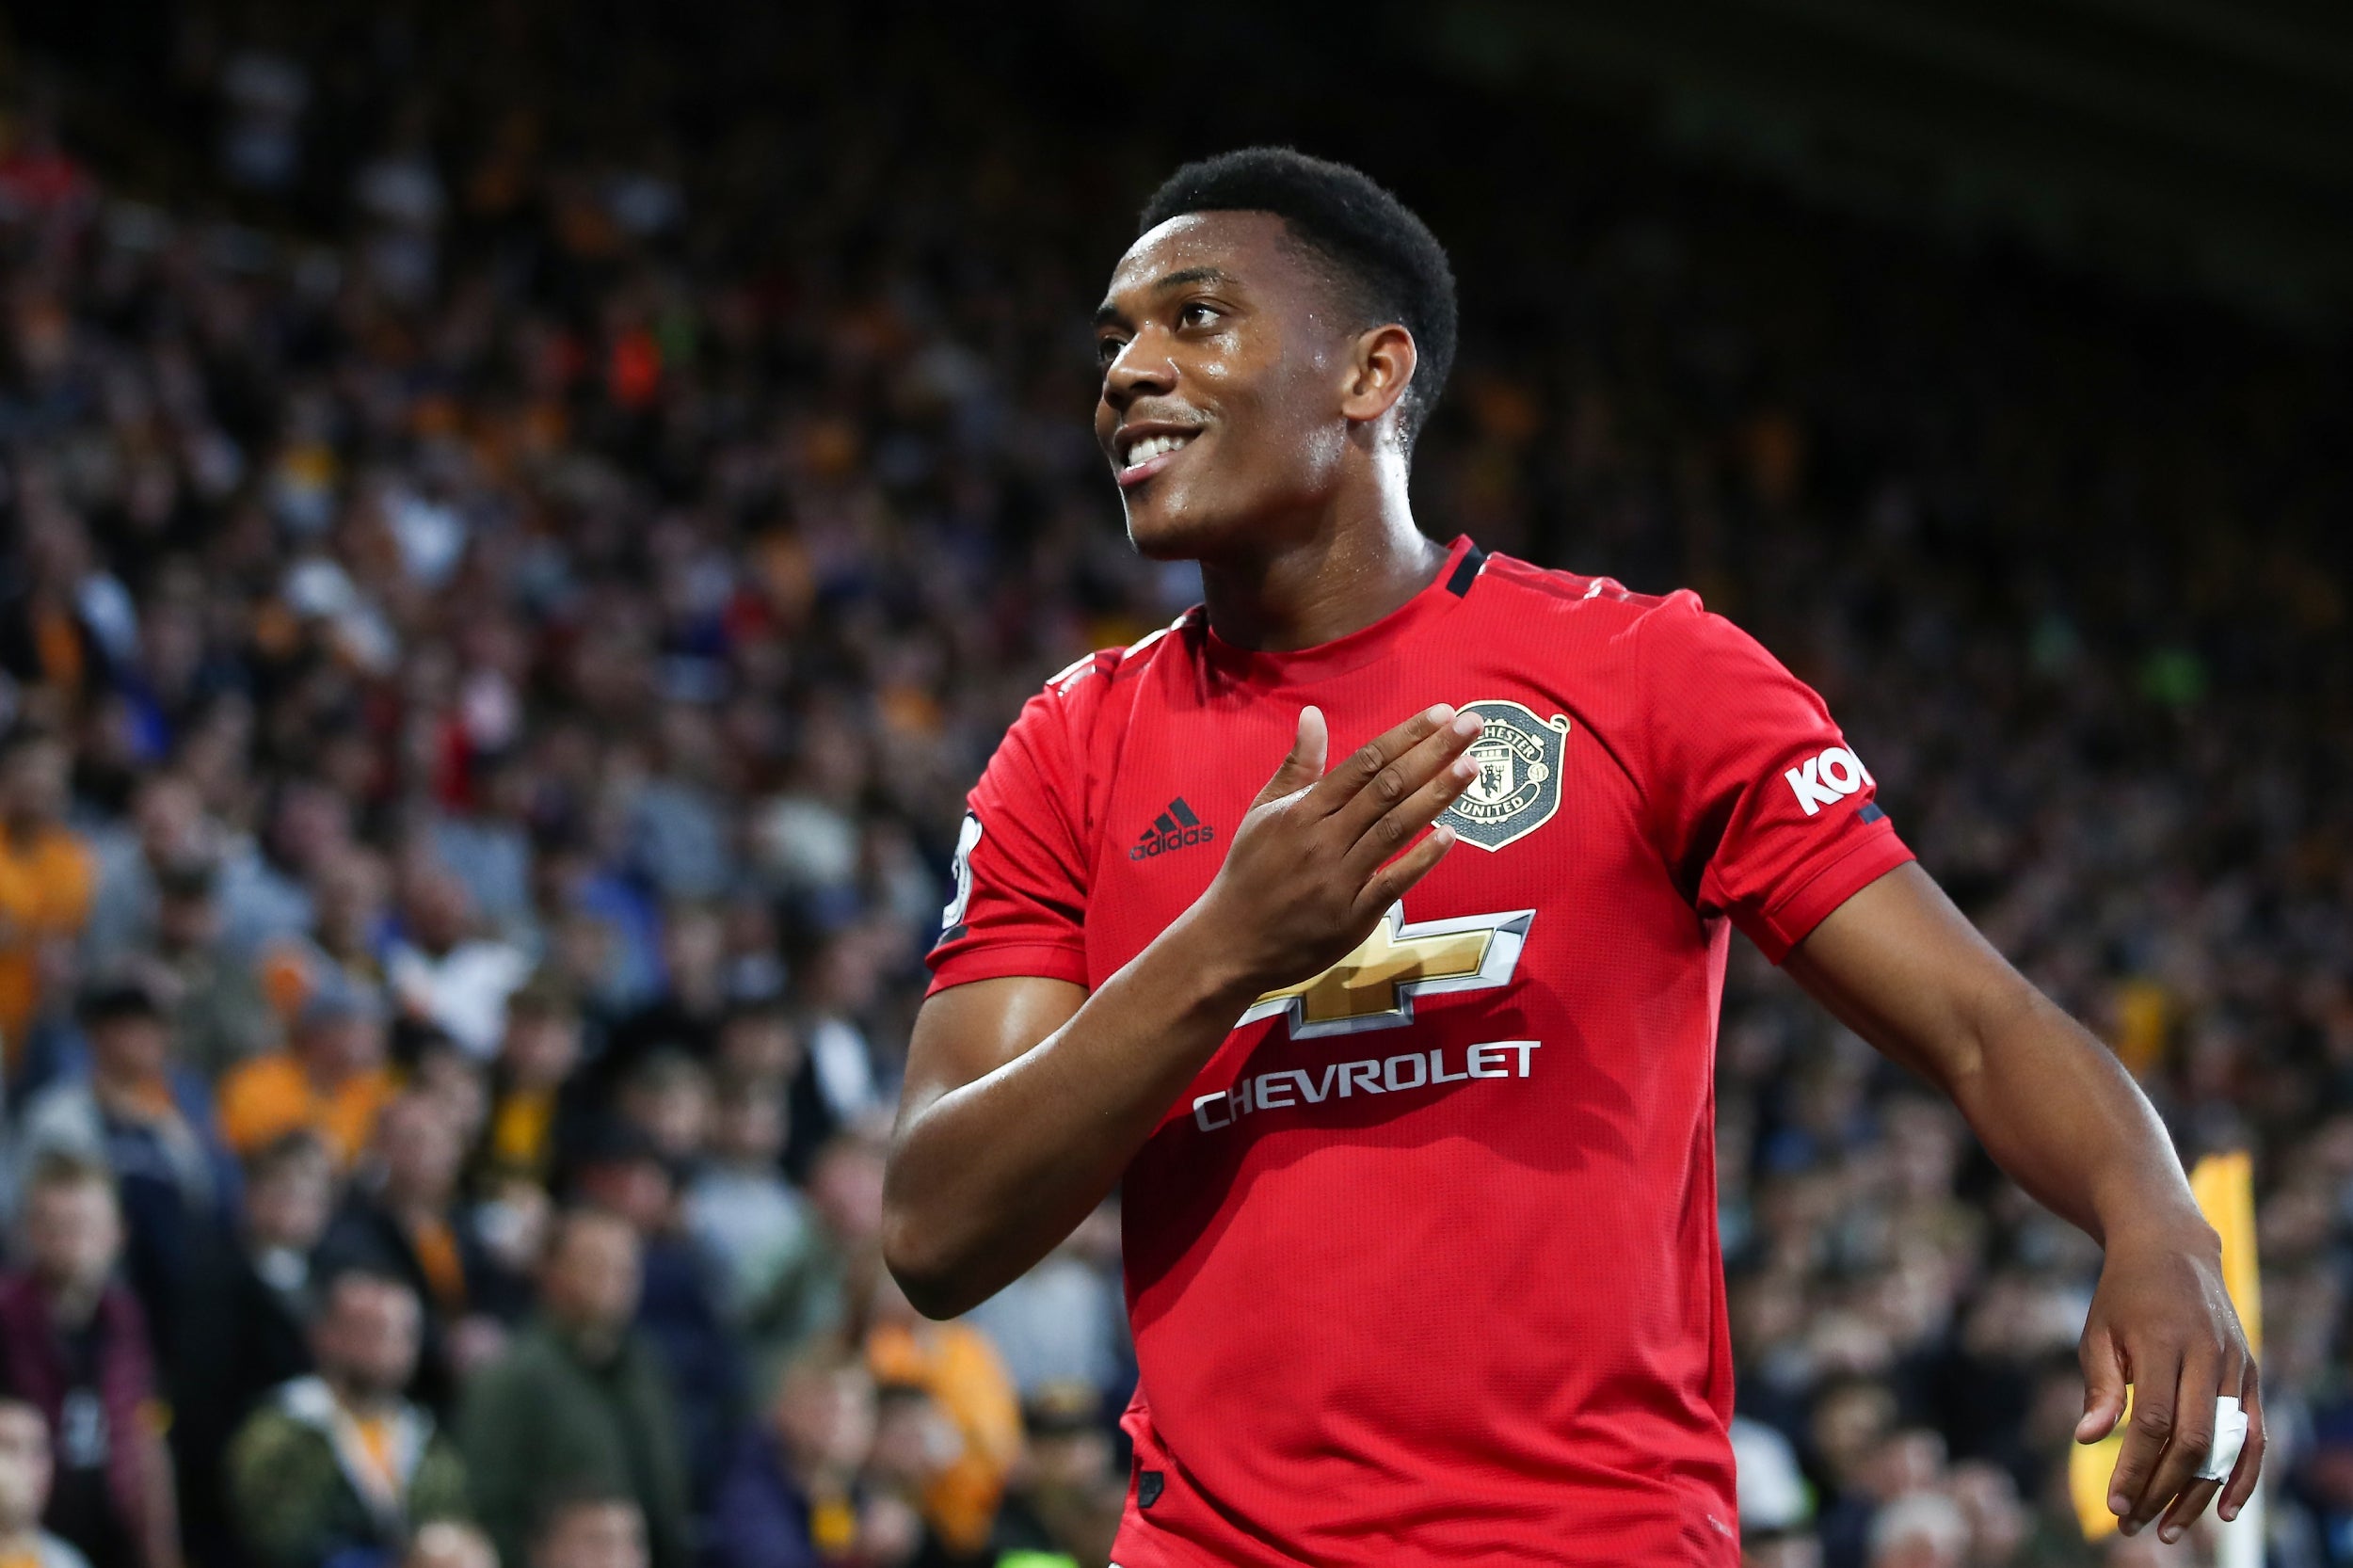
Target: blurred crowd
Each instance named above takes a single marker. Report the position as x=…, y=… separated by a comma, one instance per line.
x=517, y=539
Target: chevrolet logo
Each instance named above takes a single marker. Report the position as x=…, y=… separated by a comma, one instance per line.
x=1374, y=986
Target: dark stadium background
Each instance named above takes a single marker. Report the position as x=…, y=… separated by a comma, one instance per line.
x=521, y=520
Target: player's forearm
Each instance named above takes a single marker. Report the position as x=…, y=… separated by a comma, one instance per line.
x=1901, y=965
x=989, y=1177
x=2059, y=1113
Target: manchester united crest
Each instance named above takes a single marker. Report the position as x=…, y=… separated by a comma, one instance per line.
x=1517, y=787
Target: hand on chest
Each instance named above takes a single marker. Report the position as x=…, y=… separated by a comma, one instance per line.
x=1185, y=782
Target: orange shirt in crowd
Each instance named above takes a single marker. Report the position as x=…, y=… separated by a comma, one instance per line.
x=45, y=886
x=522, y=1129
x=444, y=1265
x=959, y=1368
x=271, y=1095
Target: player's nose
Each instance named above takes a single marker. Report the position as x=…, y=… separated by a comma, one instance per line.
x=1142, y=369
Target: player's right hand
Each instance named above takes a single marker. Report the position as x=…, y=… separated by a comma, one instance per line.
x=1315, y=862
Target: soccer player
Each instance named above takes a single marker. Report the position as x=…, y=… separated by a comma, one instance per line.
x=1413, y=1128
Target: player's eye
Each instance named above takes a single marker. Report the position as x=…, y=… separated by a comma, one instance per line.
x=1197, y=313
x=1107, y=349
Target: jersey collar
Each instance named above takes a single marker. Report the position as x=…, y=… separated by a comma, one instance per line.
x=1362, y=647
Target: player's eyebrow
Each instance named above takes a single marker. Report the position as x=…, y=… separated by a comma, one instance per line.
x=1107, y=313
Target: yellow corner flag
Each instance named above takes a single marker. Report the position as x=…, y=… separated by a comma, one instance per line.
x=2224, y=1186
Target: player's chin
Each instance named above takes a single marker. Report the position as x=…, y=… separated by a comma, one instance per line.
x=1172, y=524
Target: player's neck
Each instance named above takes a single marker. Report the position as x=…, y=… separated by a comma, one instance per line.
x=1299, y=591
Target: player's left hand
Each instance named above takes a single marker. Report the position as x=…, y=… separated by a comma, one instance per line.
x=2162, y=1321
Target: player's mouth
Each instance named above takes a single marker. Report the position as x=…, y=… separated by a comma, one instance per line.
x=1147, y=450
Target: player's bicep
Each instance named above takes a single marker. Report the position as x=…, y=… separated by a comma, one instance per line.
x=1901, y=967
x=966, y=1033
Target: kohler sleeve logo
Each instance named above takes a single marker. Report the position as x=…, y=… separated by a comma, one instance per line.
x=1827, y=779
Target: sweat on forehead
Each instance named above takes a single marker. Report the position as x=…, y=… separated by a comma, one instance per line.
x=1255, y=251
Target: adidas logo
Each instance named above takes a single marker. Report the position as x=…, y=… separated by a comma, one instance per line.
x=1174, y=828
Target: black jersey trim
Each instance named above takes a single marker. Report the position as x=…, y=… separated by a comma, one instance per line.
x=1464, y=570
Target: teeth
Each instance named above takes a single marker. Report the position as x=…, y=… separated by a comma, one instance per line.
x=1152, y=446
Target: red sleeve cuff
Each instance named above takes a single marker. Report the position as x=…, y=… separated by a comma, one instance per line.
x=995, y=961
x=1793, y=917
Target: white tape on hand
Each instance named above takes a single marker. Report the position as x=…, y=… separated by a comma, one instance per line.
x=2230, y=1436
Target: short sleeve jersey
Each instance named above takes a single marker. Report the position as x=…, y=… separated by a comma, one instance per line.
x=1423, y=1266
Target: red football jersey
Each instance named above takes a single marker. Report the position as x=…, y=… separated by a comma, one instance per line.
x=1423, y=1266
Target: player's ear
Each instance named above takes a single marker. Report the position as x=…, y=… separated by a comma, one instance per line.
x=1378, y=371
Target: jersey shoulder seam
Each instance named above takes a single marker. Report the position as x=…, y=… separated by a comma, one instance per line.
x=1110, y=663
x=1567, y=586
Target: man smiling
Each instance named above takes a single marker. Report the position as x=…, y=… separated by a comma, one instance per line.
x=1413, y=1128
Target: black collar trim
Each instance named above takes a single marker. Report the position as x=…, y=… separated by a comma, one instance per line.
x=1464, y=570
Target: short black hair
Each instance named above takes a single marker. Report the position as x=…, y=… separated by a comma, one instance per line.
x=362, y=1271
x=58, y=1168
x=1382, y=257
x=295, y=1146
x=119, y=997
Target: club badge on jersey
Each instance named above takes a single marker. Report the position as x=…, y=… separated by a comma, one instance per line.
x=1517, y=788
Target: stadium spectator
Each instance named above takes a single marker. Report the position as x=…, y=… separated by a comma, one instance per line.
x=749, y=1221
x=250, y=1303
x=340, y=1467
x=147, y=1121
x=954, y=1365
x=265, y=892
x=488, y=846
x=918, y=1467
x=687, y=1012
x=403, y=1219
x=796, y=1494
x=1066, y=1494
x=680, y=837
x=1898, y=1465
x=757, y=1043
x=166, y=830
x=446, y=972
x=350, y=890
x=47, y=871
x=591, y=1529
x=74, y=1345
x=846, y=985
x=811, y=1296
x=219, y=1015
x=535, y=1060
x=667, y=1096
x=330, y=1079
x=580, y=1400
x=621, y=1169
x=26, y=1467
x=1064, y=1322
x=457, y=1081
x=1986, y=1496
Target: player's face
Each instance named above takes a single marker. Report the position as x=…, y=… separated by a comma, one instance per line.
x=1224, y=366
